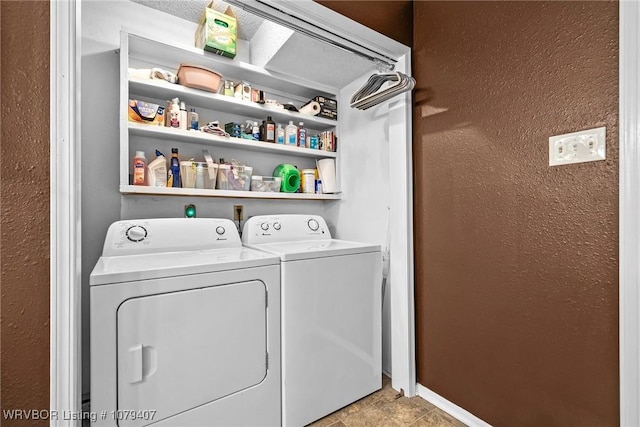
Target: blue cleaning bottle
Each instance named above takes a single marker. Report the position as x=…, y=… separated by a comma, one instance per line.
x=174, y=170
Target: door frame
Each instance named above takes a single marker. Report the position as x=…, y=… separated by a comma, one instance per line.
x=629, y=211
x=65, y=360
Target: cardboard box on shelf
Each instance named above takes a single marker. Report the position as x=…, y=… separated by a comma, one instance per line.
x=328, y=107
x=234, y=129
x=328, y=114
x=217, y=31
x=145, y=112
x=326, y=103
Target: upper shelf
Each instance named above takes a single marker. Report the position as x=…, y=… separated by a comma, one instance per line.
x=172, y=55
x=172, y=134
x=200, y=98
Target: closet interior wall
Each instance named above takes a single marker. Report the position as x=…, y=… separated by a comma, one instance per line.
x=360, y=215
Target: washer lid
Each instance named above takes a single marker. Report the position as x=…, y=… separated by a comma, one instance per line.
x=300, y=250
x=130, y=268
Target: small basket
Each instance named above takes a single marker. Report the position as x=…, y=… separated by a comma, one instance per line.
x=197, y=77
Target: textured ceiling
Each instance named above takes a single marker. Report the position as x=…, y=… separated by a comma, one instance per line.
x=191, y=10
x=313, y=60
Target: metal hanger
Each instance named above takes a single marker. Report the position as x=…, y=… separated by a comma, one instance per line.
x=373, y=93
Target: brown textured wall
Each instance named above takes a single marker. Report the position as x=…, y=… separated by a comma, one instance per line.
x=24, y=223
x=393, y=18
x=516, y=261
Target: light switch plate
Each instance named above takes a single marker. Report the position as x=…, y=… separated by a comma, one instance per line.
x=578, y=147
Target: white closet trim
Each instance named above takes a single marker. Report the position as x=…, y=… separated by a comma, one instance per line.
x=629, y=128
x=65, y=349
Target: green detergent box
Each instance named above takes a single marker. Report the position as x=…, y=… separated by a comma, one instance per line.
x=217, y=32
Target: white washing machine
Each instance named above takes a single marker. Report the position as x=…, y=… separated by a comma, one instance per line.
x=185, y=327
x=331, y=314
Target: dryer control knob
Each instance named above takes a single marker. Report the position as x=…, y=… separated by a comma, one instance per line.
x=136, y=233
x=264, y=226
x=220, y=230
x=276, y=225
x=313, y=224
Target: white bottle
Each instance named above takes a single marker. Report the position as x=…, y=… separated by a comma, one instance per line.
x=291, y=134
x=279, y=134
x=174, y=114
x=183, y=116
x=256, y=131
x=158, y=171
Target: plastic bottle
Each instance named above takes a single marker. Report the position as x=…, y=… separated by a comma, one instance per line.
x=174, y=113
x=183, y=116
x=174, y=170
x=157, y=176
x=256, y=131
x=167, y=114
x=193, y=120
x=302, y=135
x=268, y=130
x=228, y=88
x=291, y=134
x=139, y=169
x=279, y=134
x=308, y=181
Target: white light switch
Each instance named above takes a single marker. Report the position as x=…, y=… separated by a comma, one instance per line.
x=578, y=147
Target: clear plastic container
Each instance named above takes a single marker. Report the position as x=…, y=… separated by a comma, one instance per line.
x=266, y=184
x=206, y=175
x=188, y=173
x=232, y=177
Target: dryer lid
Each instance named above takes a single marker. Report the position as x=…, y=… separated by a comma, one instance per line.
x=130, y=268
x=300, y=250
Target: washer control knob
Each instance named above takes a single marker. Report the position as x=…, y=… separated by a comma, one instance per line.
x=264, y=226
x=313, y=224
x=276, y=225
x=220, y=230
x=136, y=233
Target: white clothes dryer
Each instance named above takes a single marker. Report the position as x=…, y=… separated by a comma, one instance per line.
x=185, y=327
x=331, y=314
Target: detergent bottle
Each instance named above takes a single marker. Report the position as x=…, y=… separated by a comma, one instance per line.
x=174, y=170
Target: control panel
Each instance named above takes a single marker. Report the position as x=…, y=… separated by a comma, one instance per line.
x=284, y=228
x=143, y=236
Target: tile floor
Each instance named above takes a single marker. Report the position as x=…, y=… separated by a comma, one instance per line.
x=384, y=409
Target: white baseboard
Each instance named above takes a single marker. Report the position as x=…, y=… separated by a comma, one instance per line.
x=450, y=408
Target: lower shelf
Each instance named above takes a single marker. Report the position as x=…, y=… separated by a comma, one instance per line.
x=198, y=192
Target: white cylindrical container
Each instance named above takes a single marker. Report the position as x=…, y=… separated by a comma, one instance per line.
x=308, y=177
x=183, y=116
